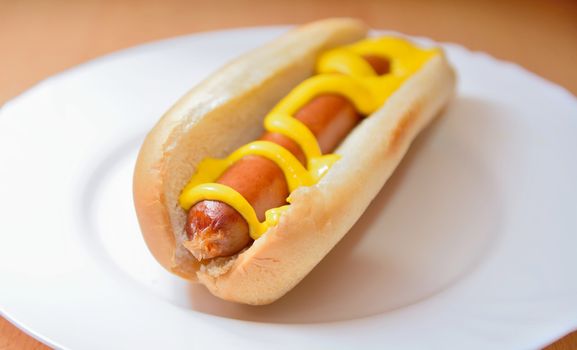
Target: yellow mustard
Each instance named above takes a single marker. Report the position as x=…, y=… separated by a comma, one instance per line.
x=341, y=71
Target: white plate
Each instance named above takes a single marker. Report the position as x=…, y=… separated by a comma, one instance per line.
x=472, y=244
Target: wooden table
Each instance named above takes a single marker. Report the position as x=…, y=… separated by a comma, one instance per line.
x=40, y=38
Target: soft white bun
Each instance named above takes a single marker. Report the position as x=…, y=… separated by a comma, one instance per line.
x=226, y=111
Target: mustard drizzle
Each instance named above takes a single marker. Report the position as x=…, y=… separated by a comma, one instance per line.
x=341, y=71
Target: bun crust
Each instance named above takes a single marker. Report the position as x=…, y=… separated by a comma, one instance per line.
x=226, y=111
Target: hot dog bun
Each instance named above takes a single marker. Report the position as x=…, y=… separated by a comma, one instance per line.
x=226, y=111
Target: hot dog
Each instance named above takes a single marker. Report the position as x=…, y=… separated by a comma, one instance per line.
x=212, y=205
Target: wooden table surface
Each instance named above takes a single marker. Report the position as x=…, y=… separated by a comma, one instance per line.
x=39, y=38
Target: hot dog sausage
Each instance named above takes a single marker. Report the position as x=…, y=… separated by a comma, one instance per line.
x=215, y=229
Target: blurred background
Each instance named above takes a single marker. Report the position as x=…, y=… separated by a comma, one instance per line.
x=39, y=38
